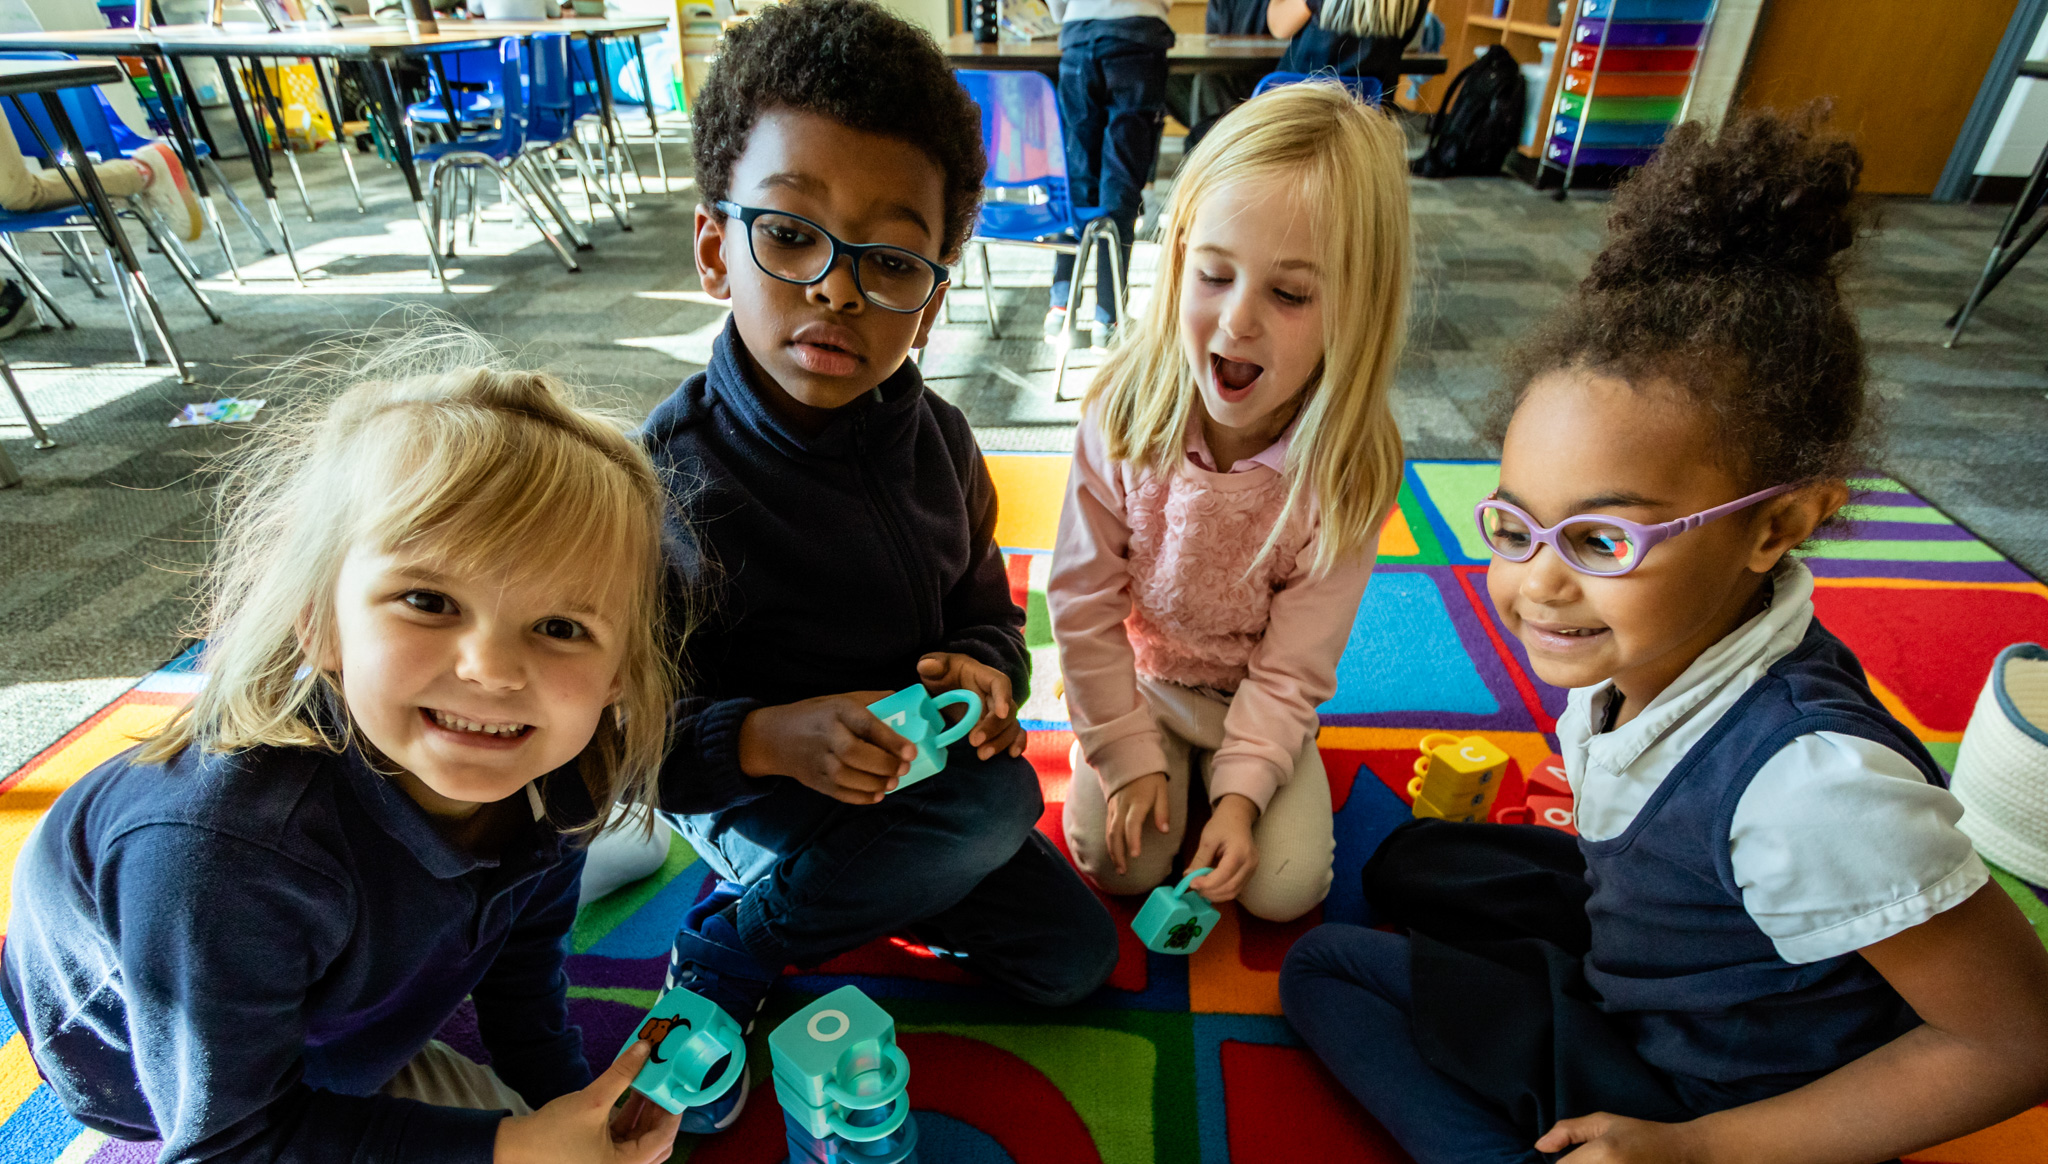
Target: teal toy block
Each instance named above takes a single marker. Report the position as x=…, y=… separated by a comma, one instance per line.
x=898, y=1147
x=838, y=1051
x=858, y=1125
x=1174, y=921
x=914, y=714
x=699, y=1051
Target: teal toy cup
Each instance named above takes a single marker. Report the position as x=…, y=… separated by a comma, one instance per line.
x=1174, y=921
x=915, y=716
x=836, y=1057
x=699, y=1051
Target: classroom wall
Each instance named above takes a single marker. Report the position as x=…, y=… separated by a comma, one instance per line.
x=2021, y=130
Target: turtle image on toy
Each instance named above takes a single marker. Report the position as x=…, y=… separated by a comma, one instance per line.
x=1179, y=937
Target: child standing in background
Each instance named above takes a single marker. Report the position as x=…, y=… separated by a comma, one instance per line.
x=431, y=655
x=1352, y=38
x=1768, y=942
x=1235, y=459
x=1112, y=108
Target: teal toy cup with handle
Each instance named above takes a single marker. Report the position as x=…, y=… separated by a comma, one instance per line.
x=699, y=1051
x=1174, y=921
x=914, y=714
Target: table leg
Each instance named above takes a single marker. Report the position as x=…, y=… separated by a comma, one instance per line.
x=609, y=120
x=175, y=104
x=270, y=100
x=384, y=87
x=259, y=161
x=653, y=122
x=103, y=216
x=330, y=97
x=35, y=427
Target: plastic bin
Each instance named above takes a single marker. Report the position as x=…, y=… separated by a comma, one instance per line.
x=1626, y=84
x=1625, y=35
x=1658, y=109
x=1635, y=134
x=1559, y=153
x=1646, y=9
x=1534, y=78
x=1632, y=60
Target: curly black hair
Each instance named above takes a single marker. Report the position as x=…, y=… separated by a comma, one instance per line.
x=1721, y=276
x=856, y=63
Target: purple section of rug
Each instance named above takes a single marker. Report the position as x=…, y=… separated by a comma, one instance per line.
x=127, y=1152
x=1910, y=531
x=631, y=973
x=1928, y=571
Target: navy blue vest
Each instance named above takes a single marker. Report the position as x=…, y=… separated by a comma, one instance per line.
x=1677, y=958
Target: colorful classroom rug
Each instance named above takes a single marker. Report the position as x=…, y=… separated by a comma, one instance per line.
x=1186, y=1059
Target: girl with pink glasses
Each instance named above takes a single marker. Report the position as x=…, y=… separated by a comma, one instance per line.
x=1768, y=941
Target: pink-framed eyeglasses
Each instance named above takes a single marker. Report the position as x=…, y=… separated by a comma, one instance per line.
x=1592, y=543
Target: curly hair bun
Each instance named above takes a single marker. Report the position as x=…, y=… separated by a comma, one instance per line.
x=1770, y=192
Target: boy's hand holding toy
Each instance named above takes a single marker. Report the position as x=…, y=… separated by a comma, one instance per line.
x=832, y=744
x=998, y=731
x=582, y=1126
x=1613, y=1139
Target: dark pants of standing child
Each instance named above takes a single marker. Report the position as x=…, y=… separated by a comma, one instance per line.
x=957, y=860
x=1112, y=98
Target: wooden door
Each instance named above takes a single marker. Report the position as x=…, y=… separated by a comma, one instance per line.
x=1902, y=74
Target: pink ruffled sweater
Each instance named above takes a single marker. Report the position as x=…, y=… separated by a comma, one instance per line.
x=1152, y=575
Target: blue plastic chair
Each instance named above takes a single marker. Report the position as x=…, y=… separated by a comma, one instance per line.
x=552, y=112
x=124, y=141
x=1366, y=89
x=466, y=70
x=86, y=112
x=505, y=150
x=1020, y=132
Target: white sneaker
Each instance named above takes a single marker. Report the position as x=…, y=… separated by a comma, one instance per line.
x=169, y=192
x=2002, y=768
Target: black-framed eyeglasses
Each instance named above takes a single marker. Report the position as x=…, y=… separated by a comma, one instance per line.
x=794, y=249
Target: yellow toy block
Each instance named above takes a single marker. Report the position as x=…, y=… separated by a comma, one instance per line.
x=1457, y=778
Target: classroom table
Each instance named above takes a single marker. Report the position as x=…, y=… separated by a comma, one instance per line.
x=45, y=78
x=371, y=48
x=2008, y=248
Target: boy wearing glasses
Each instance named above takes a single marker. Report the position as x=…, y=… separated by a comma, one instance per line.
x=836, y=541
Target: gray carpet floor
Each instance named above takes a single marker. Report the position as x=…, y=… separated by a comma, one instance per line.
x=102, y=540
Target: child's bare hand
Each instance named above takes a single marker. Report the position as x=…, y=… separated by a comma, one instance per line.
x=1129, y=808
x=832, y=744
x=1613, y=1139
x=582, y=1127
x=1227, y=847
x=998, y=730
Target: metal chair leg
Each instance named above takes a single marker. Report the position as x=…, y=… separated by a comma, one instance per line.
x=291, y=157
x=620, y=215
x=35, y=285
x=220, y=237
x=507, y=181
x=128, y=308
x=988, y=291
x=551, y=198
x=348, y=163
x=175, y=256
x=236, y=204
x=79, y=261
x=475, y=180
x=42, y=436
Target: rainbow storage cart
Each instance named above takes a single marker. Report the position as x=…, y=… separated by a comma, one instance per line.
x=1628, y=73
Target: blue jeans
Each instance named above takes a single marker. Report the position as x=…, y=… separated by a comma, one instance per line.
x=1346, y=991
x=957, y=860
x=1112, y=96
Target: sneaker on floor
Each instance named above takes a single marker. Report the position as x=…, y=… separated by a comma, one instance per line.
x=709, y=958
x=169, y=192
x=17, y=310
x=1055, y=322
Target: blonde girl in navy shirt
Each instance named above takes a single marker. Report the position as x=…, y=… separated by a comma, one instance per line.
x=430, y=657
x=1769, y=941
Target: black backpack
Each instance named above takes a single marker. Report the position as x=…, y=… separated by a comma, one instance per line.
x=1479, y=121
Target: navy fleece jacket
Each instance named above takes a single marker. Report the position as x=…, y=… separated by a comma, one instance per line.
x=819, y=564
x=233, y=953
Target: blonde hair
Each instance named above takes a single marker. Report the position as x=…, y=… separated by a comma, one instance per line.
x=1372, y=17
x=431, y=445
x=1349, y=163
